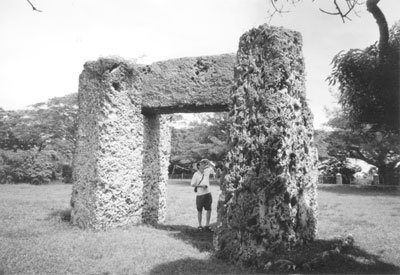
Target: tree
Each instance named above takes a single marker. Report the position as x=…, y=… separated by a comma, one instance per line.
x=36, y=142
x=43, y=124
x=368, y=86
x=8, y=140
x=56, y=122
x=205, y=139
x=378, y=148
x=368, y=123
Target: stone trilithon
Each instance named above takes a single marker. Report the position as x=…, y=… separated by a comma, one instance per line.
x=123, y=142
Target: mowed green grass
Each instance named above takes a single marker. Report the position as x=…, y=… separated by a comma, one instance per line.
x=36, y=237
x=370, y=214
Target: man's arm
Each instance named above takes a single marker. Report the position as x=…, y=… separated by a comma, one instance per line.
x=208, y=171
x=193, y=181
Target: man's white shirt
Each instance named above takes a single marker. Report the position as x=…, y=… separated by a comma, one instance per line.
x=206, y=181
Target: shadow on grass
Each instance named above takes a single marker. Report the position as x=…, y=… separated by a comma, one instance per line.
x=201, y=240
x=363, y=190
x=195, y=266
x=325, y=257
x=318, y=257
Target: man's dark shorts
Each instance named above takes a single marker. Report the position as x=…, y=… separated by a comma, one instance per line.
x=204, y=201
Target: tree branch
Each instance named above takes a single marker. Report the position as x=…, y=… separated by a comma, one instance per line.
x=344, y=14
x=343, y=7
x=33, y=7
x=355, y=152
x=372, y=7
x=275, y=10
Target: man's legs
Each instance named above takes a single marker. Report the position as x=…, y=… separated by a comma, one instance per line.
x=207, y=207
x=199, y=206
x=208, y=217
x=199, y=217
x=204, y=201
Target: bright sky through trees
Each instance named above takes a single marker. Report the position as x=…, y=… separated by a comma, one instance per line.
x=42, y=53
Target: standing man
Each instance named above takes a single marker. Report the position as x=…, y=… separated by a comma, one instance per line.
x=201, y=182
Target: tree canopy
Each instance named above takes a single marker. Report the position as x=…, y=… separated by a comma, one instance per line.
x=367, y=126
x=41, y=124
x=205, y=139
x=369, y=88
x=37, y=142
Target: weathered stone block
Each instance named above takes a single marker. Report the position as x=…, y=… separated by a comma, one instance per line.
x=191, y=84
x=271, y=180
x=157, y=149
x=108, y=162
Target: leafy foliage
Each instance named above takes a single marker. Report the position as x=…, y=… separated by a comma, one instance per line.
x=368, y=124
x=321, y=143
x=204, y=139
x=51, y=122
x=339, y=164
x=369, y=89
x=27, y=166
x=377, y=148
x=67, y=173
x=35, y=142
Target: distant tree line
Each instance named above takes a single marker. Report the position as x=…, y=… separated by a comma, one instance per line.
x=36, y=144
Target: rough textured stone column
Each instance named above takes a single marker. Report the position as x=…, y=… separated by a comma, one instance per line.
x=157, y=148
x=108, y=185
x=271, y=183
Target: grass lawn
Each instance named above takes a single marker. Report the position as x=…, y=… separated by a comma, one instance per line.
x=36, y=237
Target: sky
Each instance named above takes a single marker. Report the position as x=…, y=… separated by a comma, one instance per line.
x=42, y=53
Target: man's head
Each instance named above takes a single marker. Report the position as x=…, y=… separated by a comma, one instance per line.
x=203, y=164
x=205, y=161
x=200, y=166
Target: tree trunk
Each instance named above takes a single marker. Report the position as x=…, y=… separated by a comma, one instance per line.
x=372, y=7
x=387, y=174
x=173, y=170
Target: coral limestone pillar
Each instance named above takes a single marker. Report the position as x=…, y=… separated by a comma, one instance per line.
x=157, y=147
x=271, y=184
x=108, y=186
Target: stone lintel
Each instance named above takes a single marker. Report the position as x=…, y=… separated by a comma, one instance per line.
x=192, y=108
x=182, y=85
x=187, y=85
